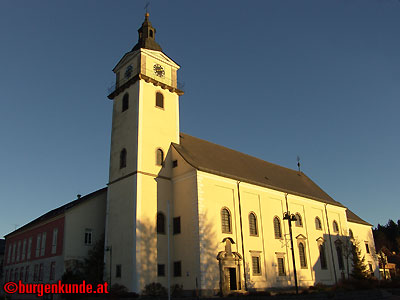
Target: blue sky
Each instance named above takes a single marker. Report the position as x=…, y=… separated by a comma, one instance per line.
x=273, y=79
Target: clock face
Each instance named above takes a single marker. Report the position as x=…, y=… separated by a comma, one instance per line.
x=128, y=72
x=159, y=70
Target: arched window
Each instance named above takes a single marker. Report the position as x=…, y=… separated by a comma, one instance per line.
x=299, y=221
x=253, y=224
x=159, y=100
x=335, y=226
x=160, y=223
x=125, y=102
x=122, y=159
x=226, y=220
x=322, y=256
x=159, y=157
x=277, y=228
x=151, y=33
x=302, y=254
x=339, y=252
x=351, y=234
x=318, y=224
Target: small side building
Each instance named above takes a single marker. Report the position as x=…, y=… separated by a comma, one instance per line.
x=43, y=249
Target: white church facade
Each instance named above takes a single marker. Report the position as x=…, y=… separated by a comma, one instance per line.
x=181, y=210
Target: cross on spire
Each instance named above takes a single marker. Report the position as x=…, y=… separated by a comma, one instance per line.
x=146, y=7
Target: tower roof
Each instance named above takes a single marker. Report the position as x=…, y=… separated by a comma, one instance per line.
x=147, y=36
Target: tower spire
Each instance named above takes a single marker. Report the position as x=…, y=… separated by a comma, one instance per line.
x=147, y=35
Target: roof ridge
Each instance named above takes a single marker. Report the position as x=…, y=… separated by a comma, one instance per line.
x=251, y=156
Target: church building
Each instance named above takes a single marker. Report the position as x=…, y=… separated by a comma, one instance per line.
x=182, y=210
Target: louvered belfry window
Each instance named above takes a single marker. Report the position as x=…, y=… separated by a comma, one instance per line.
x=226, y=220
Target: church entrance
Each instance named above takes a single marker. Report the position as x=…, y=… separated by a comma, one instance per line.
x=232, y=279
x=230, y=264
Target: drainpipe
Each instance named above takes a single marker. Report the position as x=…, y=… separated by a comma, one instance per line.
x=241, y=235
x=330, y=241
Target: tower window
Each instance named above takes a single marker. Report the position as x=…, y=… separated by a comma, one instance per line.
x=255, y=261
x=177, y=225
x=281, y=266
x=160, y=223
x=160, y=157
x=160, y=270
x=351, y=234
x=226, y=220
x=277, y=228
x=122, y=159
x=151, y=33
x=253, y=224
x=177, y=269
x=159, y=100
x=125, y=102
x=118, y=271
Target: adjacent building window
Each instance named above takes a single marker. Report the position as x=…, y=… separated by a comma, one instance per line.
x=52, y=270
x=23, y=250
x=88, y=236
x=160, y=223
x=122, y=159
x=367, y=247
x=13, y=252
x=302, y=254
x=27, y=273
x=177, y=225
x=253, y=224
x=125, y=102
x=177, y=269
x=43, y=246
x=159, y=100
x=41, y=272
x=322, y=256
x=299, y=221
x=277, y=228
x=339, y=253
x=9, y=254
x=28, y=254
x=255, y=260
x=18, y=250
x=11, y=275
x=335, y=226
x=21, y=274
x=160, y=270
x=38, y=240
x=159, y=157
x=318, y=224
x=118, y=271
x=35, y=272
x=226, y=220
x=16, y=275
x=54, y=243
x=281, y=266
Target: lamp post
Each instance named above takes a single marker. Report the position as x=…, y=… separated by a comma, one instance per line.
x=290, y=218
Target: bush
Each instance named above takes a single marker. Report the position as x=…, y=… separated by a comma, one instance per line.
x=154, y=289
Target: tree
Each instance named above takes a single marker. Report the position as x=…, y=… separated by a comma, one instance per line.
x=360, y=270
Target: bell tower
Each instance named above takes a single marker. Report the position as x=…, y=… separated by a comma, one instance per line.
x=145, y=122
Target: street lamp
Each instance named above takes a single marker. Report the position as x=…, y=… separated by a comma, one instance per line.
x=292, y=218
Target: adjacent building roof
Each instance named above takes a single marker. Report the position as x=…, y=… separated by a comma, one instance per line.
x=58, y=211
x=212, y=158
x=352, y=217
